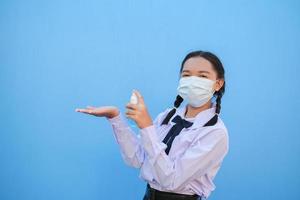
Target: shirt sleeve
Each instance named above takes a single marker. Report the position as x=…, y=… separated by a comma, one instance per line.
x=198, y=159
x=129, y=143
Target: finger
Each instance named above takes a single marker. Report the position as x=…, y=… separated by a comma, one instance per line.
x=84, y=111
x=79, y=109
x=133, y=117
x=139, y=96
x=132, y=106
x=130, y=112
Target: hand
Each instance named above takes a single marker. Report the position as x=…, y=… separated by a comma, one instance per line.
x=138, y=112
x=104, y=111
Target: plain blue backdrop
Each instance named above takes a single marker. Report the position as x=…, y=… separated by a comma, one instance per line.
x=58, y=55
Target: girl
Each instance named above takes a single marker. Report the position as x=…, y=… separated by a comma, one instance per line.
x=181, y=151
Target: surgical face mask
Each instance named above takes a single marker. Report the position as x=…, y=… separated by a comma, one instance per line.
x=196, y=90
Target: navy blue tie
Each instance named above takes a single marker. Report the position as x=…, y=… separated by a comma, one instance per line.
x=175, y=130
x=179, y=125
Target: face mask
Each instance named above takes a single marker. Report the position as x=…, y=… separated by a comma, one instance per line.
x=196, y=90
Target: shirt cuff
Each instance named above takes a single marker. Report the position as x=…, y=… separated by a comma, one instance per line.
x=121, y=129
x=118, y=121
x=151, y=143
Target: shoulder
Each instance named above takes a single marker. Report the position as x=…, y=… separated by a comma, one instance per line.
x=213, y=134
x=220, y=131
x=164, y=112
x=161, y=116
x=221, y=126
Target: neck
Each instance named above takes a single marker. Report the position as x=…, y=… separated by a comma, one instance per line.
x=193, y=111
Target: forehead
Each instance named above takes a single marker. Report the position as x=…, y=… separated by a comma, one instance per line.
x=198, y=64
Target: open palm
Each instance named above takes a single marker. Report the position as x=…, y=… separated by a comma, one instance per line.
x=104, y=111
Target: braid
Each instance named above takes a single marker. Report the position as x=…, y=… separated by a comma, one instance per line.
x=177, y=103
x=218, y=101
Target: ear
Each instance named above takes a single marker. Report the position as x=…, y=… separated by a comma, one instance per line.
x=219, y=84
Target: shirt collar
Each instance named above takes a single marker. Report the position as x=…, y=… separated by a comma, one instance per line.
x=200, y=119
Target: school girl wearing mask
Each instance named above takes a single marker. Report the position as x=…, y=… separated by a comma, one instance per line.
x=179, y=152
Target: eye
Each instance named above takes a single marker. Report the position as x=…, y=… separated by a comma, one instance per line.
x=203, y=76
x=184, y=75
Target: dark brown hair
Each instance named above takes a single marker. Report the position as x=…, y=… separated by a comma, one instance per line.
x=218, y=67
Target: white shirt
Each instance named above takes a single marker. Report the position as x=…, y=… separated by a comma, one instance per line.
x=194, y=158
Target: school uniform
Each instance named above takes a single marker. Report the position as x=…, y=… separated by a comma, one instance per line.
x=185, y=168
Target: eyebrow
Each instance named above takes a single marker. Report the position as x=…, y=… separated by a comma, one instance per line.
x=198, y=71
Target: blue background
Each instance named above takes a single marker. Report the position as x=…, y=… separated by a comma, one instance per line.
x=58, y=55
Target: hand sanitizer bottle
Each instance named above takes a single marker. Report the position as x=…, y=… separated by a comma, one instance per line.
x=133, y=100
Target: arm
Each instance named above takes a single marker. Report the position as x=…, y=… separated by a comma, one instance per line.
x=130, y=144
x=131, y=149
x=198, y=159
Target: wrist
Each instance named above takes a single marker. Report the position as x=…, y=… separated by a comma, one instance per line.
x=114, y=114
x=146, y=125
